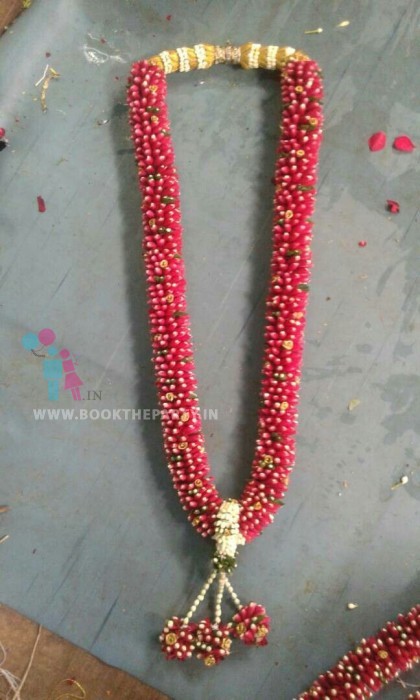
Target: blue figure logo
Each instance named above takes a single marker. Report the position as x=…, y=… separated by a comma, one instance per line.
x=53, y=372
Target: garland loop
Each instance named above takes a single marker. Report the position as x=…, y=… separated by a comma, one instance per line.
x=229, y=522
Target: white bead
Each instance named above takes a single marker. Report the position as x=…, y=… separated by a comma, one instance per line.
x=254, y=55
x=201, y=56
x=236, y=54
x=166, y=60
x=271, y=57
x=220, y=54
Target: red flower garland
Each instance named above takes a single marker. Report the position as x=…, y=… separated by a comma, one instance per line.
x=376, y=660
x=295, y=177
x=373, y=663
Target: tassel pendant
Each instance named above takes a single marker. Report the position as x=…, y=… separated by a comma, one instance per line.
x=211, y=641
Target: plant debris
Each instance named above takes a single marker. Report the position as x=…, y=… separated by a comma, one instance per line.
x=402, y=482
x=352, y=404
x=314, y=31
x=49, y=73
x=4, y=509
x=94, y=55
x=4, y=538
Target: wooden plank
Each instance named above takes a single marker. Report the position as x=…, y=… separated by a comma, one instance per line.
x=9, y=10
x=57, y=662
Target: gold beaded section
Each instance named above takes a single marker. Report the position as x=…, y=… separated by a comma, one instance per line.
x=205, y=55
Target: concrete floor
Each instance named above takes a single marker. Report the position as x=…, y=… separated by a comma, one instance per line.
x=99, y=549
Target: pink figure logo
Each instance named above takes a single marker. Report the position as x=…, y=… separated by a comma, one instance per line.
x=72, y=380
x=55, y=364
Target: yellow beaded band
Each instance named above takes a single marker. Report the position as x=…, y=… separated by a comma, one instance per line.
x=248, y=56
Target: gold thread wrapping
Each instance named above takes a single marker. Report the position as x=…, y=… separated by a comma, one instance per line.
x=283, y=56
x=263, y=56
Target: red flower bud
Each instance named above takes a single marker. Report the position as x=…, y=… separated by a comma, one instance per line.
x=403, y=143
x=377, y=141
x=393, y=206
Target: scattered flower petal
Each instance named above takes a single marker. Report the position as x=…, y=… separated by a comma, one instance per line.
x=377, y=141
x=352, y=404
x=393, y=206
x=352, y=606
x=403, y=143
x=2, y=132
x=362, y=244
x=344, y=23
x=41, y=204
x=169, y=17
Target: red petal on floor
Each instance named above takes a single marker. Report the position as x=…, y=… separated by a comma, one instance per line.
x=41, y=204
x=377, y=141
x=404, y=143
x=393, y=206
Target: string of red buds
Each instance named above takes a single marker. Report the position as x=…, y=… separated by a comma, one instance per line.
x=373, y=663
